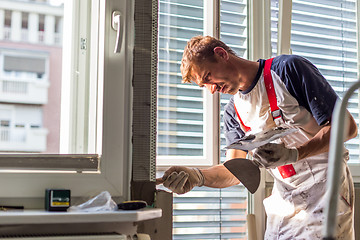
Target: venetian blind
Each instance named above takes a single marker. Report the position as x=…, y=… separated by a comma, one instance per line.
x=203, y=213
x=324, y=32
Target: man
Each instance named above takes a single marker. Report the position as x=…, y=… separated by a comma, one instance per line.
x=287, y=91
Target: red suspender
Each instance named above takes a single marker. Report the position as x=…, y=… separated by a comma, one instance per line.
x=270, y=90
x=245, y=128
x=286, y=170
x=269, y=85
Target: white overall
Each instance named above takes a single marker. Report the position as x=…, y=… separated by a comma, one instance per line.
x=295, y=208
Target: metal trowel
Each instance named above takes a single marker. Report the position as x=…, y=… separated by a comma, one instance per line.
x=252, y=141
x=246, y=171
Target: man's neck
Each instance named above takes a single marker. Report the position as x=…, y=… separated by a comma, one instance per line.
x=248, y=71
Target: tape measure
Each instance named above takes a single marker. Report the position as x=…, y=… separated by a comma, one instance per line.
x=132, y=205
x=57, y=199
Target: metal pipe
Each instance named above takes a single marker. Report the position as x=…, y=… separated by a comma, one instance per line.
x=337, y=134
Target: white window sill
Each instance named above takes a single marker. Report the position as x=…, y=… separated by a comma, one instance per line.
x=45, y=217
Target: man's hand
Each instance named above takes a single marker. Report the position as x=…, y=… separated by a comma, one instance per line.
x=180, y=180
x=273, y=155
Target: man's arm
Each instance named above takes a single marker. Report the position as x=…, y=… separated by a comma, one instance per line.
x=218, y=176
x=320, y=142
x=272, y=155
x=182, y=179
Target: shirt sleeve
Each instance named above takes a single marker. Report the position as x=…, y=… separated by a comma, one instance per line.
x=232, y=129
x=305, y=82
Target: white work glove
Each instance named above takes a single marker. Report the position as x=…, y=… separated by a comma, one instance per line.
x=180, y=179
x=272, y=155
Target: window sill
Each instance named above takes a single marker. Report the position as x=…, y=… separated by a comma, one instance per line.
x=45, y=217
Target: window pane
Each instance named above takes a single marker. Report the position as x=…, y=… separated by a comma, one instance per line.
x=234, y=32
x=31, y=73
x=180, y=106
x=29, y=78
x=206, y=213
x=324, y=31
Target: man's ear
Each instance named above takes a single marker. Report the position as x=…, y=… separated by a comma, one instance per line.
x=221, y=52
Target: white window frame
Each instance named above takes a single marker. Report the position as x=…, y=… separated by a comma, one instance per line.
x=284, y=27
x=114, y=168
x=211, y=106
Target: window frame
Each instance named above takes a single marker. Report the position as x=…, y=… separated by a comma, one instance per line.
x=259, y=47
x=114, y=167
x=211, y=106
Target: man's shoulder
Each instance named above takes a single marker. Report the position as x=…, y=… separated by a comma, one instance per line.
x=229, y=109
x=289, y=66
x=289, y=60
x=230, y=104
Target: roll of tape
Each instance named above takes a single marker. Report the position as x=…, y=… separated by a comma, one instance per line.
x=142, y=236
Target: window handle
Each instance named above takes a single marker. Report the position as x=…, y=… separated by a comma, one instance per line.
x=116, y=25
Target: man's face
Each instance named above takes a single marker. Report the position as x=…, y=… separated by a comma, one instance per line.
x=219, y=76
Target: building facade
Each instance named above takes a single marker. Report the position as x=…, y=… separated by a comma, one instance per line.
x=30, y=76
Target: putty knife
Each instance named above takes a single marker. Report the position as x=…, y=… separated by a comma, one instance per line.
x=246, y=171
